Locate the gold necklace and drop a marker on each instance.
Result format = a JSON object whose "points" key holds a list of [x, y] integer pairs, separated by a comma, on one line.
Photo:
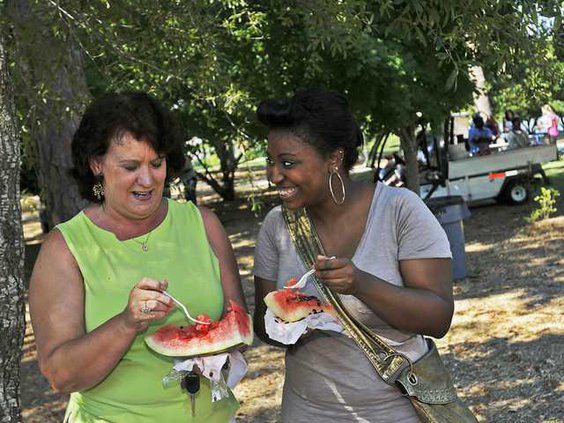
{"points": [[143, 244]]}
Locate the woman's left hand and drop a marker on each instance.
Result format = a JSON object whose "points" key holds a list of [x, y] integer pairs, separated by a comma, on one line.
{"points": [[338, 274]]}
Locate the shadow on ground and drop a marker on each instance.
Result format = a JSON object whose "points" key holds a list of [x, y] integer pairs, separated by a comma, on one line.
{"points": [[504, 347]]}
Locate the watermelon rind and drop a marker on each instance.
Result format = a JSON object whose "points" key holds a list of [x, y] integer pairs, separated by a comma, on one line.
{"points": [[233, 331]]}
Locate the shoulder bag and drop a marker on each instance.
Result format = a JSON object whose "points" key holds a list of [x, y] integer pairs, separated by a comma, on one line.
{"points": [[426, 382]]}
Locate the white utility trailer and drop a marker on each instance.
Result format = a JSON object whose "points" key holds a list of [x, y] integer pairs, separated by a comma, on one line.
{"points": [[446, 169], [508, 175]]}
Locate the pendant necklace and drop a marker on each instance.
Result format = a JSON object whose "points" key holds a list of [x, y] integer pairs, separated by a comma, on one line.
{"points": [[143, 244]]}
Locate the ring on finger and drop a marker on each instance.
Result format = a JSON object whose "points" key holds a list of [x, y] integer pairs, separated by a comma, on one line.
{"points": [[145, 309]]}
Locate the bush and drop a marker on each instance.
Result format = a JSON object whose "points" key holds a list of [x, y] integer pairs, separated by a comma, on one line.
{"points": [[547, 200]]}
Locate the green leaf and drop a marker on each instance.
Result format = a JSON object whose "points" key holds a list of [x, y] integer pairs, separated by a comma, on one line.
{"points": [[451, 80]]}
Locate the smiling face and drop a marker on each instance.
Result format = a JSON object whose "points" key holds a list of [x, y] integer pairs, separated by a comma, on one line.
{"points": [[298, 170], [133, 178]]}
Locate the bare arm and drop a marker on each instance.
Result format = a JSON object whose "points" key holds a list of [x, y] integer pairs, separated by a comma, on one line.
{"points": [[424, 305], [221, 246], [71, 359]]}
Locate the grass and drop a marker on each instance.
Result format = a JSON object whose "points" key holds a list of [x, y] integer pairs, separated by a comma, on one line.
{"points": [[555, 172]]}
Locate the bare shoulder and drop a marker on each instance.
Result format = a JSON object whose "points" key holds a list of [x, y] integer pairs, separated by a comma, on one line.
{"points": [[207, 214], [210, 219], [54, 257], [55, 245]]}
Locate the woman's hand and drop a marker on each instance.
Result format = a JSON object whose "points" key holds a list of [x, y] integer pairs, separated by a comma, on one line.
{"points": [[146, 303], [338, 274]]}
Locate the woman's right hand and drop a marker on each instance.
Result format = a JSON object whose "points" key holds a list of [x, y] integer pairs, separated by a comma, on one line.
{"points": [[146, 304]]}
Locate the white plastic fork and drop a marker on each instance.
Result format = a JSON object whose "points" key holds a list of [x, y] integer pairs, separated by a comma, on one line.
{"points": [[184, 310], [301, 283]]}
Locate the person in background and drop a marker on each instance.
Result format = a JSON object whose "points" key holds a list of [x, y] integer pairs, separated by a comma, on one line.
{"points": [[479, 137], [189, 181], [392, 265], [517, 137], [548, 123], [97, 286], [492, 125], [508, 120]]}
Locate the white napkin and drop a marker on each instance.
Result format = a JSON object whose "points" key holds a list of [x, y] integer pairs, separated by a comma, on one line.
{"points": [[210, 366], [288, 333]]}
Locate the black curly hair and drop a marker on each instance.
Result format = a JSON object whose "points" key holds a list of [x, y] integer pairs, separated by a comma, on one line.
{"points": [[108, 118], [320, 118]]}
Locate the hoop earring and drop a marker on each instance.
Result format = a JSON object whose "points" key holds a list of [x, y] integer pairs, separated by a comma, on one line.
{"points": [[333, 173], [98, 190]]}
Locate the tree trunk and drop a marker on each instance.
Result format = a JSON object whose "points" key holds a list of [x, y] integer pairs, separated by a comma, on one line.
{"points": [[12, 322], [228, 163], [52, 82], [481, 99], [409, 147]]}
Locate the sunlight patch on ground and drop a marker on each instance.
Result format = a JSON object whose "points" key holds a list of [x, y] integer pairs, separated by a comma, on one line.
{"points": [[477, 247], [28, 351], [506, 314], [512, 404], [44, 412], [239, 242], [265, 375]]}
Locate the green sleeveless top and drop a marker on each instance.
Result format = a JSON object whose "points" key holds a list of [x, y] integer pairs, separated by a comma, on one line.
{"points": [[178, 251]]}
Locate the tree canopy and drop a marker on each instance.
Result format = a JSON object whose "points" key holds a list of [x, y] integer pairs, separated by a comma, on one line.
{"points": [[213, 61]]}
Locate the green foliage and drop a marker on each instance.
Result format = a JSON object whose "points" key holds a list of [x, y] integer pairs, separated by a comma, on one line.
{"points": [[546, 200], [213, 61], [530, 84], [29, 202]]}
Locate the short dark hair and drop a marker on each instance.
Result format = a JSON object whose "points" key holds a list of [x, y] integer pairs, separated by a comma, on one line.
{"points": [[516, 121], [108, 118], [478, 120], [320, 118]]}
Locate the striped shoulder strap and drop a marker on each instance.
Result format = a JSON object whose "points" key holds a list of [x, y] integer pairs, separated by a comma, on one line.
{"points": [[386, 361]]}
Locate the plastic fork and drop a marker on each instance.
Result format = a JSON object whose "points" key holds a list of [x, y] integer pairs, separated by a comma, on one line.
{"points": [[185, 310], [301, 283]]}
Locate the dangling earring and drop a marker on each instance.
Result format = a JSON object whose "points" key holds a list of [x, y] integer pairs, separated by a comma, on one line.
{"points": [[333, 173], [98, 190]]}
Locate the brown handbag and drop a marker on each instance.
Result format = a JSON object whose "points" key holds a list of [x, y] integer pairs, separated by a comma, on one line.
{"points": [[426, 382]]}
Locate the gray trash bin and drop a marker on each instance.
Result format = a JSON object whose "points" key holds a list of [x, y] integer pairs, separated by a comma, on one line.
{"points": [[450, 211]]}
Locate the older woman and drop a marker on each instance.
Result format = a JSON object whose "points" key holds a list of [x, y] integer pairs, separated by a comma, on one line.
{"points": [[96, 289], [392, 269]]}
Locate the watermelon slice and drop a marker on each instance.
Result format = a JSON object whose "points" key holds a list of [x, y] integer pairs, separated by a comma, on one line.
{"points": [[292, 305], [235, 329]]}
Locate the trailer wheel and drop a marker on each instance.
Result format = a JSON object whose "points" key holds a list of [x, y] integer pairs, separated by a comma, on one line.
{"points": [[516, 192]]}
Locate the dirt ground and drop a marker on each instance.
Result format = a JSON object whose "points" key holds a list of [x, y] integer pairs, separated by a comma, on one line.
{"points": [[505, 346]]}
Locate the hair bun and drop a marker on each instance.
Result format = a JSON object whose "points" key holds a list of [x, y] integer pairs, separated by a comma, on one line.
{"points": [[274, 112]]}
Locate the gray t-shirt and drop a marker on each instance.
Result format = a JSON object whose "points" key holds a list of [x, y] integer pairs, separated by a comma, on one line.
{"points": [[328, 377], [517, 139]]}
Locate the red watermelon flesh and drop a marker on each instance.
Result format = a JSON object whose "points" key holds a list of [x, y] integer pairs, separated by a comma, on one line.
{"points": [[233, 330], [291, 282], [292, 305]]}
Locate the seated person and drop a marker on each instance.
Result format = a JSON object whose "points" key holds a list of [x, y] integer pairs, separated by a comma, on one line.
{"points": [[517, 138], [492, 125], [479, 137], [508, 121]]}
